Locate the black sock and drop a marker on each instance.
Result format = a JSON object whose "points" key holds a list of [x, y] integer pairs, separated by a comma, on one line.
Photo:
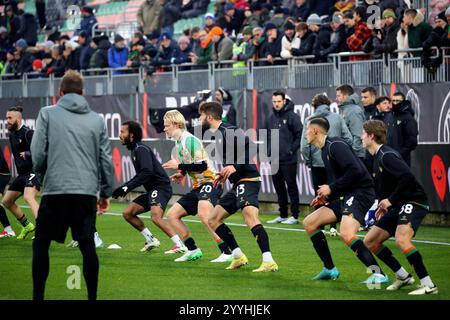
{"points": [[364, 254], [189, 242], [3, 217], [385, 255], [262, 238], [90, 266], [415, 259], [321, 245], [40, 267], [226, 235], [223, 247], [24, 221]]}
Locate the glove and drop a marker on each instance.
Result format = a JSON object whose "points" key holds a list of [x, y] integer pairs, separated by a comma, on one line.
{"points": [[120, 192]]}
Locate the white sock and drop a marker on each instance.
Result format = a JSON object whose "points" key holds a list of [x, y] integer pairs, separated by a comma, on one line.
{"points": [[9, 229], [147, 234], [177, 241], [401, 273], [237, 253], [96, 237], [267, 257], [427, 282]]}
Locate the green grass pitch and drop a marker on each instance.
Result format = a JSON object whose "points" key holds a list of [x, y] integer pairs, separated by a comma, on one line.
{"points": [[129, 274]]}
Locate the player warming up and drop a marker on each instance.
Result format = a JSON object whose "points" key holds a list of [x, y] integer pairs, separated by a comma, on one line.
{"points": [[347, 197], [203, 196], [402, 206], [151, 175], [234, 148]]}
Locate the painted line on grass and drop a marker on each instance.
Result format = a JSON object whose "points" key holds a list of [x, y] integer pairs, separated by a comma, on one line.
{"points": [[275, 228], [286, 229]]}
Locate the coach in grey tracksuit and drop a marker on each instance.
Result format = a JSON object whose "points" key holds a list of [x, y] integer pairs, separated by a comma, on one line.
{"points": [[353, 114], [71, 150], [311, 154]]}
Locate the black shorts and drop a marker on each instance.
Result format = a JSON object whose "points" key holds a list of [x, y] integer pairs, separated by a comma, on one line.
{"points": [[408, 213], [159, 196], [355, 203], [58, 213], [243, 194], [4, 180], [25, 181], [205, 192]]}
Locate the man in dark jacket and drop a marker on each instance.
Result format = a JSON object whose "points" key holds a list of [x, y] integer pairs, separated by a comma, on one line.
{"points": [[338, 37], [85, 50], [321, 7], [12, 24], [25, 64], [368, 97], [405, 126], [194, 8], [273, 48], [88, 21], [290, 129], [231, 22], [386, 41], [384, 113], [300, 10], [307, 40], [323, 42], [99, 58], [28, 28]]}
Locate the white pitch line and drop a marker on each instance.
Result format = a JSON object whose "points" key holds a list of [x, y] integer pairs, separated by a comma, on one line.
{"points": [[275, 228], [286, 229]]}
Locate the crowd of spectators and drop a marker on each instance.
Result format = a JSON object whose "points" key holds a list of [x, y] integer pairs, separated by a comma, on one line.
{"points": [[238, 30]]}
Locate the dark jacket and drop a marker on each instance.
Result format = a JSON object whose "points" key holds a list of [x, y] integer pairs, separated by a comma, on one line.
{"points": [[306, 44], [167, 56], [13, 26], [389, 42], [321, 7], [323, 42], [73, 60], [170, 13], [389, 121], [25, 63], [290, 133], [194, 8], [86, 24], [274, 48], [301, 12], [28, 29], [406, 130], [370, 111], [337, 42], [99, 58], [85, 55], [235, 24]]}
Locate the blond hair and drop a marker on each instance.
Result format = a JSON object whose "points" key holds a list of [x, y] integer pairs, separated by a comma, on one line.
{"points": [[175, 117]]}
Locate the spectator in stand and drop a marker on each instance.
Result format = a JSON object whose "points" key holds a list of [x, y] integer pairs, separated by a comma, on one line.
{"points": [[118, 54], [231, 22], [170, 13], [300, 10], [289, 40], [210, 22], [99, 58], [52, 33], [307, 37], [57, 65], [386, 41], [194, 36], [440, 37], [4, 43], [223, 46], [25, 62], [241, 49], [399, 6], [337, 41], [168, 51], [278, 18], [418, 29], [406, 129], [88, 21], [28, 28], [241, 4], [148, 16], [85, 50], [323, 40], [437, 7], [11, 62], [322, 7], [341, 6], [136, 55], [154, 38], [273, 47], [203, 54], [37, 66], [362, 33], [259, 44], [258, 17], [193, 8], [12, 24], [184, 55], [71, 55]]}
